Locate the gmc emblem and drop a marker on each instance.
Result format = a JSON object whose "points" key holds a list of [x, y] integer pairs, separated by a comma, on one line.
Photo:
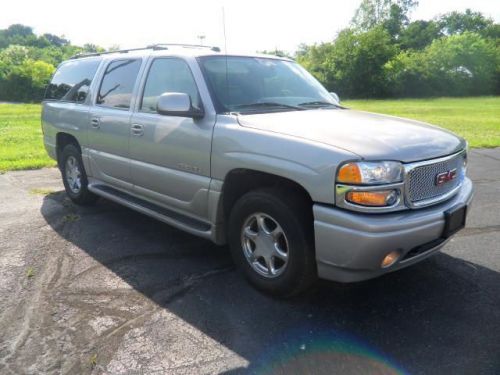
{"points": [[443, 178]]}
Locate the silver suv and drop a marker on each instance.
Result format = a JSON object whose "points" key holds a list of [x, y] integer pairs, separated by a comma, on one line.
{"points": [[254, 152]]}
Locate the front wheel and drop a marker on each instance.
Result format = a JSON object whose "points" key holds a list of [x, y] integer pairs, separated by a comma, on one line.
{"points": [[271, 240], [74, 176]]}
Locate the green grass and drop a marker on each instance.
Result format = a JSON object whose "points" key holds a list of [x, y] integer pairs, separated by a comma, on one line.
{"points": [[476, 119], [21, 142]]}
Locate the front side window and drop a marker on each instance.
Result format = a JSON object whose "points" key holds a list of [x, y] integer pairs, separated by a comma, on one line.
{"points": [[168, 75], [255, 84], [118, 83], [71, 82]]}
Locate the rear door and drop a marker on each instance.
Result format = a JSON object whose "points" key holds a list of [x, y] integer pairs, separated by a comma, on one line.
{"points": [[109, 133], [66, 103], [170, 156]]}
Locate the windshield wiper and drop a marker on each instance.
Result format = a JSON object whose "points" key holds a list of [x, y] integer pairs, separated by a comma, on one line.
{"points": [[267, 105], [318, 103]]}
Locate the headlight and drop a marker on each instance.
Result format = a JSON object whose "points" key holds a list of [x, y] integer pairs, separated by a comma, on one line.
{"points": [[370, 173]]}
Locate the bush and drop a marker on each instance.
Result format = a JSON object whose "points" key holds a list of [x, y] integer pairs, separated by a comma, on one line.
{"points": [[24, 82], [458, 65]]}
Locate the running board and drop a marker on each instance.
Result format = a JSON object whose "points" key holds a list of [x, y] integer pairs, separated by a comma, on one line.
{"points": [[180, 221]]}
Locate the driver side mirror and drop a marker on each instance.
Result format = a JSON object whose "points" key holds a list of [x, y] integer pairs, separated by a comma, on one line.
{"points": [[177, 104], [335, 97]]}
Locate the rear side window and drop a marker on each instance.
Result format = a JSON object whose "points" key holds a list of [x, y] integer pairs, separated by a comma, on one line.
{"points": [[72, 80], [118, 83]]}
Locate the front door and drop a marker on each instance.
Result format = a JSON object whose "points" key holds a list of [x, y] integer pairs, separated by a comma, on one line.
{"points": [[169, 155]]}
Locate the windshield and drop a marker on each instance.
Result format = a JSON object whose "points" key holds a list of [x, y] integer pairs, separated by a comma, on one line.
{"points": [[256, 85]]}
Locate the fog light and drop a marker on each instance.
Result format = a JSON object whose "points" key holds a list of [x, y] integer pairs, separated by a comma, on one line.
{"points": [[390, 259]]}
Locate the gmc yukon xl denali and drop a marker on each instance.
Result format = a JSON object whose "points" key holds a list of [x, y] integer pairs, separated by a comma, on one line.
{"points": [[252, 151]]}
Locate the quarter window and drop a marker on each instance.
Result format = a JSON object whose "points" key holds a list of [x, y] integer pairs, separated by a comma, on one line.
{"points": [[72, 80], [118, 83], [168, 75]]}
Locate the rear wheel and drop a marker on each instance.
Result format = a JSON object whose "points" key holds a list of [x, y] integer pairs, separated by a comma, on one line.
{"points": [[271, 240], [74, 176]]}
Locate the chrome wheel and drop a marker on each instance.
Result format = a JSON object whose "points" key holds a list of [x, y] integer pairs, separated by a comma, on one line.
{"points": [[73, 175], [265, 245]]}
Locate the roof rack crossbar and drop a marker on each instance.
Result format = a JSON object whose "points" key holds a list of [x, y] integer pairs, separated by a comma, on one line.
{"points": [[159, 46], [213, 48]]}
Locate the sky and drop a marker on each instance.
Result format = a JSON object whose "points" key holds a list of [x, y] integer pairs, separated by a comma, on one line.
{"points": [[250, 25]]}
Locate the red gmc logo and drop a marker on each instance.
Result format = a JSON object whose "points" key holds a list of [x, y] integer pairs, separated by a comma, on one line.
{"points": [[445, 177]]}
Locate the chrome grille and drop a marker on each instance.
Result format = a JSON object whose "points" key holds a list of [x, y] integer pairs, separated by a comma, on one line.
{"points": [[421, 180]]}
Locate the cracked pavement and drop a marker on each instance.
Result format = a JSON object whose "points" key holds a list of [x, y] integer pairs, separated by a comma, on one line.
{"points": [[106, 290]]}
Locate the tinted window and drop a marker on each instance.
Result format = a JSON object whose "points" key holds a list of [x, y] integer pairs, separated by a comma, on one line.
{"points": [[118, 83], [168, 75], [72, 80]]}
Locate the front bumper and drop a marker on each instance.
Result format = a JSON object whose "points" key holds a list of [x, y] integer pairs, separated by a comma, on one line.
{"points": [[350, 246]]}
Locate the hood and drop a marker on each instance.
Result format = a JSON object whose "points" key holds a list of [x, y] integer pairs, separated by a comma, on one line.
{"points": [[369, 135]]}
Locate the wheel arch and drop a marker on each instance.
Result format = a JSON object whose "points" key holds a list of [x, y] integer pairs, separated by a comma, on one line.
{"points": [[62, 140], [240, 181]]}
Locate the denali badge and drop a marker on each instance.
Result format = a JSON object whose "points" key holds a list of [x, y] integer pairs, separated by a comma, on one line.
{"points": [[445, 177]]}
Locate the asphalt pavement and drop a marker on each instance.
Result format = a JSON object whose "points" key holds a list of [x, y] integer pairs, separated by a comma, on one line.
{"points": [[106, 290]]}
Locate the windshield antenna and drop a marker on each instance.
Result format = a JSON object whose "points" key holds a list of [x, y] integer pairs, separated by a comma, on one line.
{"points": [[225, 48]]}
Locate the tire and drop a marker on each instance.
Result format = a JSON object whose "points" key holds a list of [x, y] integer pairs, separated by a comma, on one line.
{"points": [[256, 220], [74, 176]]}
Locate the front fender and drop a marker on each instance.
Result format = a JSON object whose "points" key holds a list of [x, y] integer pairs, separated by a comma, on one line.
{"points": [[310, 164]]}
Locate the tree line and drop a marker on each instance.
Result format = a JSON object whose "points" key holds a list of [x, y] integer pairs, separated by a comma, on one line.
{"points": [[27, 61], [381, 54]]}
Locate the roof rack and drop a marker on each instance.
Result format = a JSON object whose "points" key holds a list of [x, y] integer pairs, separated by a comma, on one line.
{"points": [[154, 47], [166, 45]]}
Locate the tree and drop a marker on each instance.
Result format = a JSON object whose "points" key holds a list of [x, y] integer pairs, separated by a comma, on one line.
{"points": [[56, 40], [458, 23], [14, 55], [317, 59], [419, 34], [18, 30], [17, 34], [492, 32], [353, 64], [275, 52], [114, 47], [458, 65], [92, 48], [371, 13]]}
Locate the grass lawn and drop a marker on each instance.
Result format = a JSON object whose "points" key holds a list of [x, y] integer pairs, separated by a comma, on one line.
{"points": [[21, 144], [476, 119]]}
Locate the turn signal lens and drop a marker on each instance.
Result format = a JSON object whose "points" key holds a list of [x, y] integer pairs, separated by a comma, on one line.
{"points": [[390, 259], [373, 198], [350, 174]]}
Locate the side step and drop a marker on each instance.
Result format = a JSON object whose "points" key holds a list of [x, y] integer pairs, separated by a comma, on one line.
{"points": [[180, 221]]}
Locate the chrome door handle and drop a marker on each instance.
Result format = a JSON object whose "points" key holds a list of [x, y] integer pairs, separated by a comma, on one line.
{"points": [[137, 130], [95, 123]]}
